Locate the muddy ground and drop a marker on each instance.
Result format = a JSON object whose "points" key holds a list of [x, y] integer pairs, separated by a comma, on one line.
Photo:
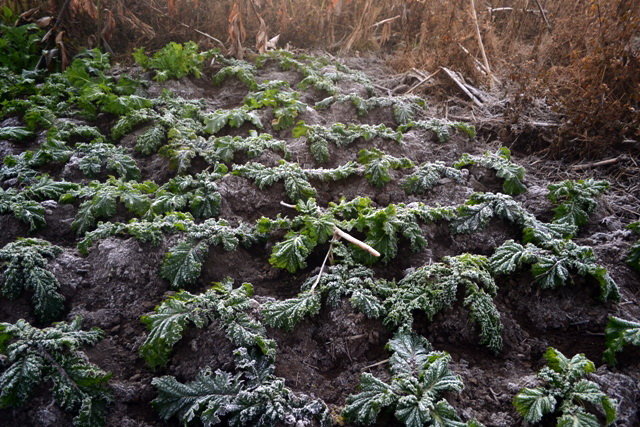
{"points": [[119, 280]]}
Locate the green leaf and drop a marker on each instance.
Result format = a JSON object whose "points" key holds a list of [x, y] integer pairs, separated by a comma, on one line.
{"points": [[410, 353], [166, 326], [500, 161], [18, 381], [620, 332], [16, 133], [534, 403], [211, 394], [365, 406], [576, 200], [286, 314], [578, 419], [183, 263], [291, 253]]}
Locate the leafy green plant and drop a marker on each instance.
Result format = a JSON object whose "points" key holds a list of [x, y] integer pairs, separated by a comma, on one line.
{"points": [[404, 108], [428, 175], [414, 393], [224, 148], [575, 200], [311, 227], [500, 161], [476, 213], [221, 303], [252, 396], [183, 263], [565, 394], [377, 165], [174, 61], [620, 332], [286, 105], [198, 192], [51, 357], [433, 288], [235, 117], [382, 228], [96, 157], [633, 259], [25, 166], [24, 204], [316, 71], [68, 131], [295, 179], [342, 135], [150, 231], [173, 119], [15, 133], [24, 262], [341, 280], [94, 91], [241, 70], [441, 128], [28, 211], [20, 46], [552, 265], [101, 200]]}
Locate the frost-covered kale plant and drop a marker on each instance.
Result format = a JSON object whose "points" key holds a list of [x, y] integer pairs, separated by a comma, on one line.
{"points": [[25, 268], [433, 288], [365, 293], [51, 359], [294, 177], [183, 263], [552, 264], [565, 394], [378, 164], [224, 304], [633, 258], [428, 175], [575, 200], [419, 377], [620, 332], [341, 135], [441, 128], [251, 396], [500, 161]]}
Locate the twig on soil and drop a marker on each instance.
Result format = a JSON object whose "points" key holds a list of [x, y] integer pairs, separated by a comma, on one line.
{"points": [[479, 64], [386, 89], [423, 81], [596, 164], [493, 394], [456, 79], [384, 21], [382, 362], [326, 257], [356, 337]]}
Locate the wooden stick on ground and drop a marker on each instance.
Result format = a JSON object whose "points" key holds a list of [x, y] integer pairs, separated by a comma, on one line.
{"points": [[462, 86], [423, 81], [596, 164]]}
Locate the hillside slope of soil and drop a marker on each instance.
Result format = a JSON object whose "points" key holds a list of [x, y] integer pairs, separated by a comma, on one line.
{"points": [[119, 280]]}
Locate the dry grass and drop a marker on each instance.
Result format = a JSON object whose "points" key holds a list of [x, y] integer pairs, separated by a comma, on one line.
{"points": [[582, 56]]}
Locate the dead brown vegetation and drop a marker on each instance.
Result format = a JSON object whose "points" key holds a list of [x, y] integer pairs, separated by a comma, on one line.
{"points": [[582, 56]]}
